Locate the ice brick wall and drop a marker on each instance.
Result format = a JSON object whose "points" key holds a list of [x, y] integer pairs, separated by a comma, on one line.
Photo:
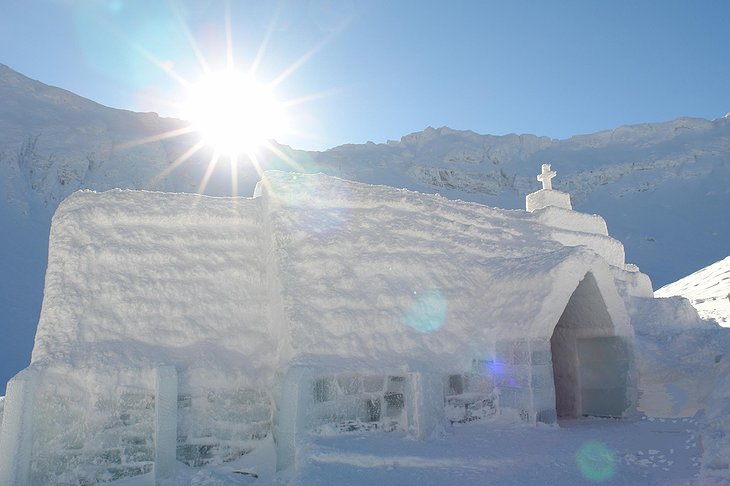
{"points": [[94, 428], [217, 425], [470, 396], [16, 435], [348, 401], [523, 375], [85, 431], [139, 279]]}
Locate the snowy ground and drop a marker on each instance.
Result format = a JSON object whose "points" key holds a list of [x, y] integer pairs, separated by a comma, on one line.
{"points": [[643, 451]]}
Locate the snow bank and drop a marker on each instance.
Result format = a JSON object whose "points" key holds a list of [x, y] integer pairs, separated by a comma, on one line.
{"points": [[683, 369], [707, 289], [674, 350]]}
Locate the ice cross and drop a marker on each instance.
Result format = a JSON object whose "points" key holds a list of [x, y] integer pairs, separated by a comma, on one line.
{"points": [[546, 177]]}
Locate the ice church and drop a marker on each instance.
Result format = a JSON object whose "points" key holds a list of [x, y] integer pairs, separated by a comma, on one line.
{"points": [[179, 327]]}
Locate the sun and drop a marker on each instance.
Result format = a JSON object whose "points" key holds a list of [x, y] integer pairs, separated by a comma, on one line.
{"points": [[234, 113], [229, 109]]}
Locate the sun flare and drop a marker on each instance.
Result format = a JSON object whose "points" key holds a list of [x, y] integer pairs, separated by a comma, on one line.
{"points": [[234, 113]]}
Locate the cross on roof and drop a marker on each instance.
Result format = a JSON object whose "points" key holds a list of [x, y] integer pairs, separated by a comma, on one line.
{"points": [[546, 176]]}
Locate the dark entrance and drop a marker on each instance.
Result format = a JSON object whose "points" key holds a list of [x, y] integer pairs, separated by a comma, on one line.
{"points": [[590, 363]]}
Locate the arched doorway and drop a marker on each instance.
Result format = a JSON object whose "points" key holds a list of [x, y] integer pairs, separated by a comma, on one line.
{"points": [[590, 363]]}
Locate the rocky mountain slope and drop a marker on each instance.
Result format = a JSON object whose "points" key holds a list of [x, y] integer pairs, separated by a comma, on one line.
{"points": [[662, 188]]}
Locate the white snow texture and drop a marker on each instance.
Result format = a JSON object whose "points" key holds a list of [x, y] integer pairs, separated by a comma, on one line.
{"points": [[327, 305], [707, 289]]}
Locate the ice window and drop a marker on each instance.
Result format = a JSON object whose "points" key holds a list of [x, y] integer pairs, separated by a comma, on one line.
{"points": [[469, 397], [324, 390], [349, 384], [372, 384], [456, 384], [372, 406], [348, 402]]}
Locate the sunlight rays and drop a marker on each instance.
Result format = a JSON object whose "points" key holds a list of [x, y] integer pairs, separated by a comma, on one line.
{"points": [[288, 160], [311, 97], [265, 42], [246, 118], [156, 138], [209, 172], [190, 39], [176, 163], [229, 35]]}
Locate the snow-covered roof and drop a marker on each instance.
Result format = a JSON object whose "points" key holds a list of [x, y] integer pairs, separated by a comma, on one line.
{"points": [[314, 266]]}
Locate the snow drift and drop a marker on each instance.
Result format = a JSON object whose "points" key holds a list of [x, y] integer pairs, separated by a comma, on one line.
{"points": [[708, 289]]}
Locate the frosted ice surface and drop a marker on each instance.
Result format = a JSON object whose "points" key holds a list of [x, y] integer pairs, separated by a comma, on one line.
{"points": [[165, 422], [16, 438]]}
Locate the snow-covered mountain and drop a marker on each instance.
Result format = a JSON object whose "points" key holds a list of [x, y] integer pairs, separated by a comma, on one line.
{"points": [[661, 187], [707, 289]]}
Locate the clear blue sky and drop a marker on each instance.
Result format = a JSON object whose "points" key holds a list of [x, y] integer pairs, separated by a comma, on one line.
{"points": [[378, 70]]}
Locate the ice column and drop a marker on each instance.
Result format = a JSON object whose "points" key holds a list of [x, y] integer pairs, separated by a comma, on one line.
{"points": [[425, 402], [16, 438], [294, 409], [165, 422]]}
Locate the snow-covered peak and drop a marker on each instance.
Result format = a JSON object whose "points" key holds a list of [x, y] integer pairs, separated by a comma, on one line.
{"points": [[707, 289]]}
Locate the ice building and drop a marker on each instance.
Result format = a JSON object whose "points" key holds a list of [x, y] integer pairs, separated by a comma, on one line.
{"points": [[178, 327]]}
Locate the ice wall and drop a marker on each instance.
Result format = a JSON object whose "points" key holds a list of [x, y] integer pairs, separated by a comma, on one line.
{"points": [[92, 425], [222, 414], [165, 422], [350, 282], [16, 434], [137, 280], [383, 278], [387, 275]]}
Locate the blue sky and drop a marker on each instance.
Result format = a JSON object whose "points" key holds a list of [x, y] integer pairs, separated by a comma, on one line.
{"points": [[377, 70]]}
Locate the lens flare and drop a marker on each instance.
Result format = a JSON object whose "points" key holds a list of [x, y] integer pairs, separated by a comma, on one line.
{"points": [[596, 461], [427, 313], [305, 191], [232, 113]]}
